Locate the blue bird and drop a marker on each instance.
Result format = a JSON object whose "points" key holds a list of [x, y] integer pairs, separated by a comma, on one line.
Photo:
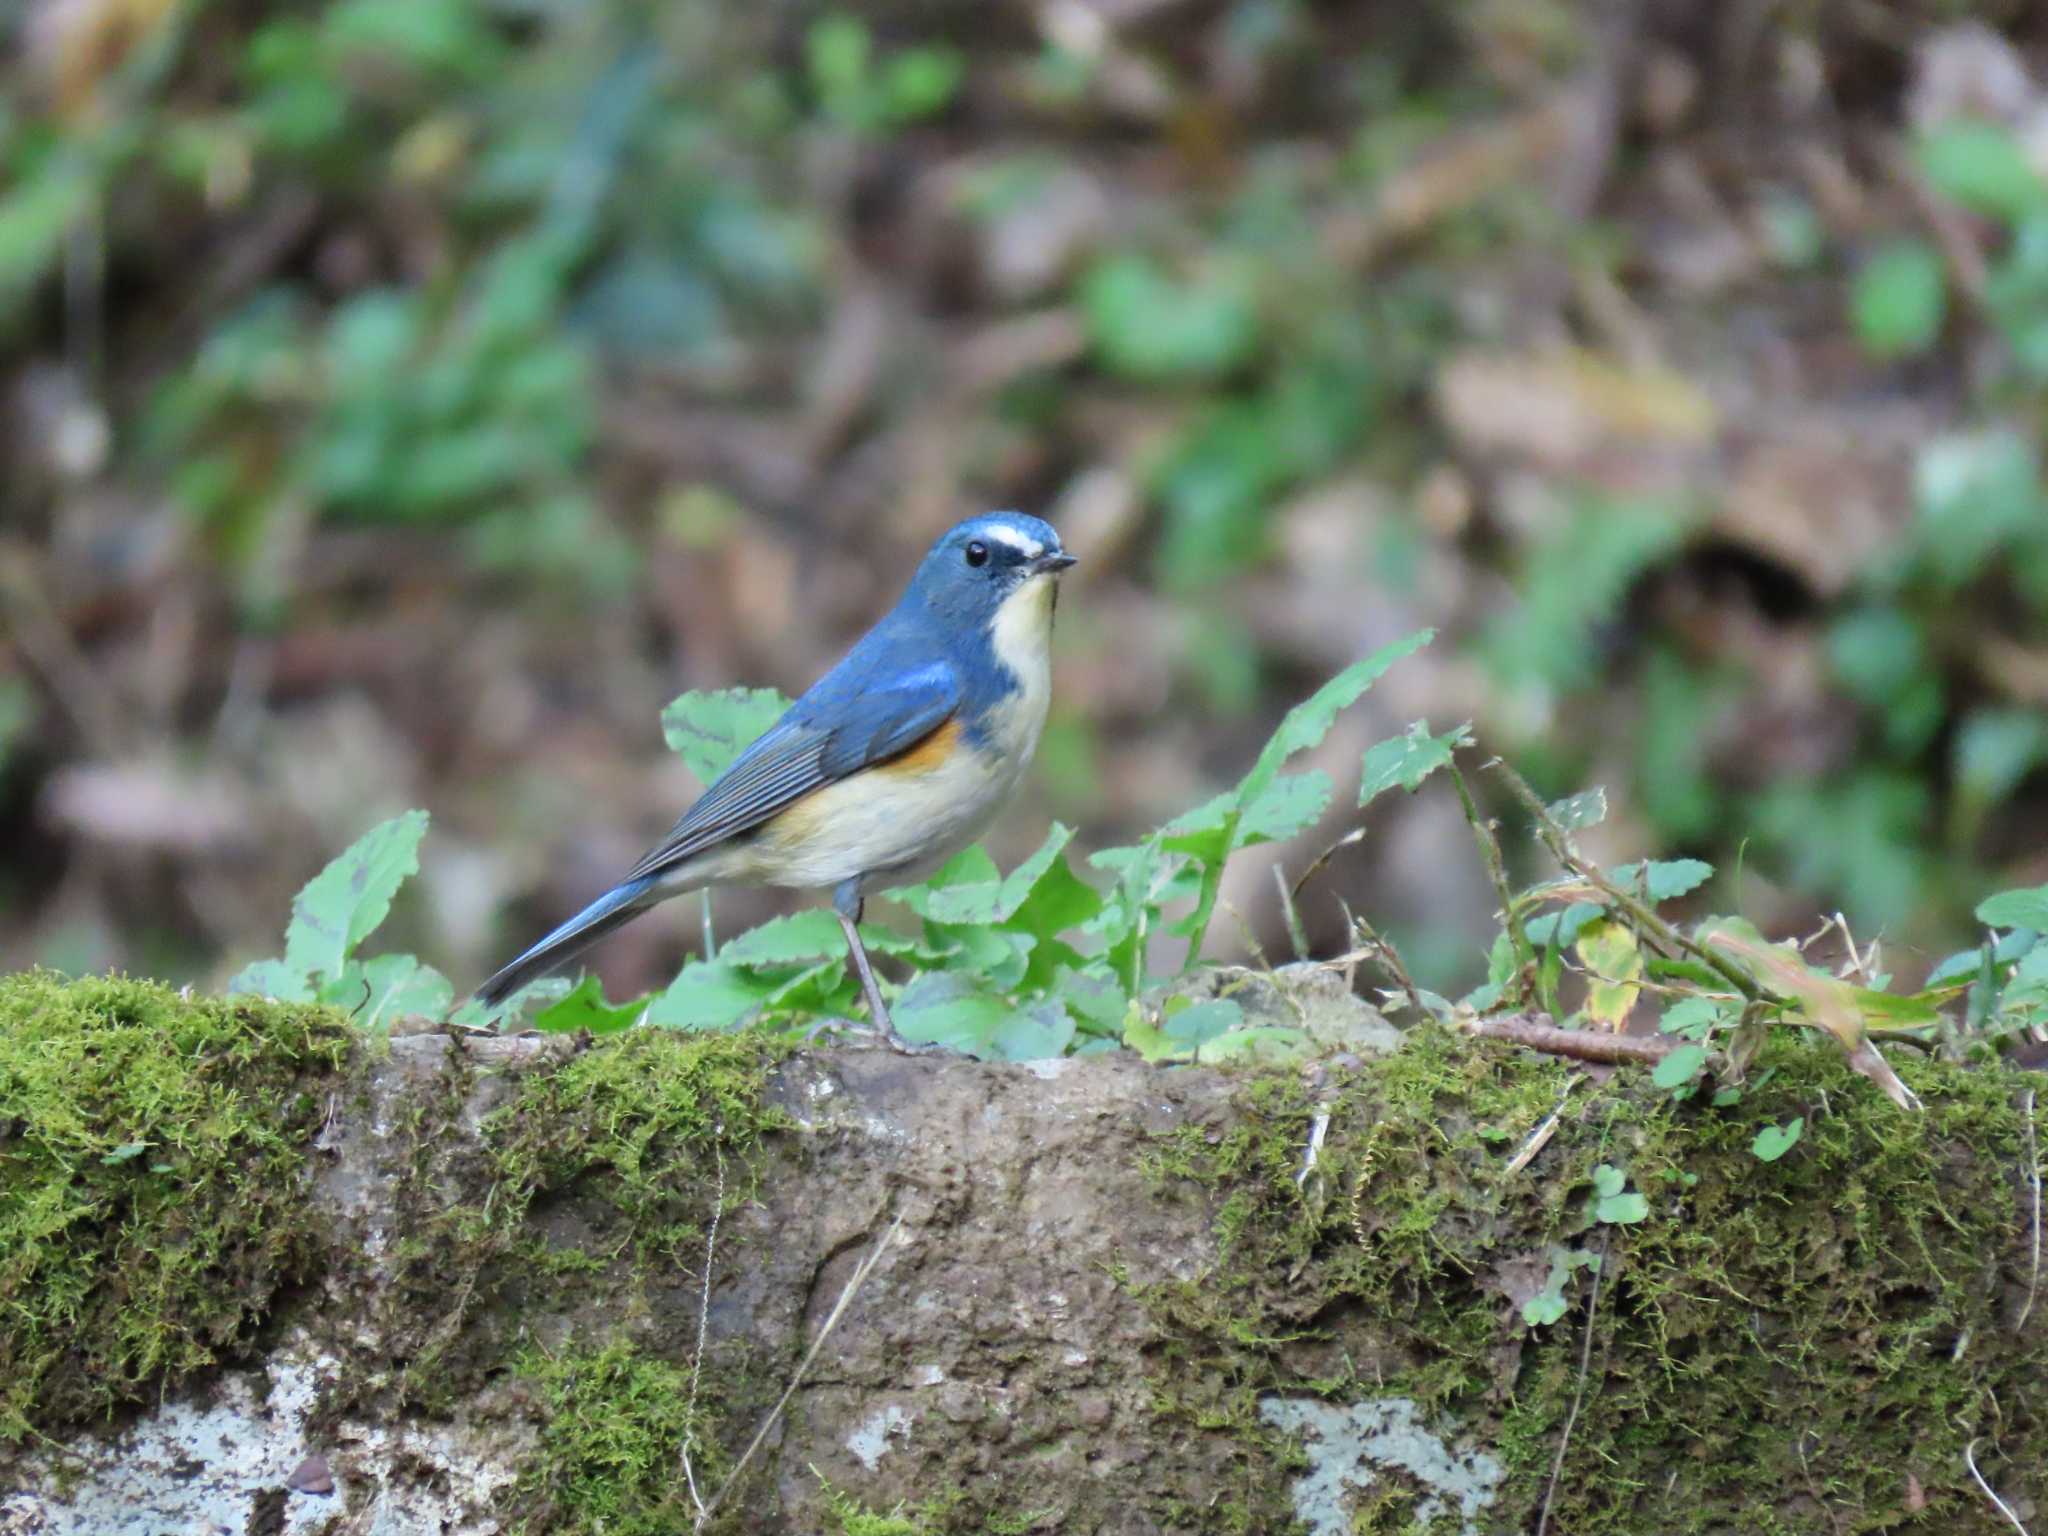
{"points": [[891, 763]]}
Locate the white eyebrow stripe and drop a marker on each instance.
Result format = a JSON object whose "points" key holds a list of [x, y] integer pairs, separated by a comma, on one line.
{"points": [[1022, 543]]}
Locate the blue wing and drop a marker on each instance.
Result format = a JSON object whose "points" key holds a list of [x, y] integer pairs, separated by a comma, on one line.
{"points": [[865, 711]]}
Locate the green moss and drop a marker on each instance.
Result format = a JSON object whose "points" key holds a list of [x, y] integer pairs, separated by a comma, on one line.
{"points": [[153, 1183], [661, 1130], [645, 1119], [616, 1424], [1805, 1333]]}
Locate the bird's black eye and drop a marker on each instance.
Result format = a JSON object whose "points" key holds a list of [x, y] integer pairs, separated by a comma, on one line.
{"points": [[977, 553]]}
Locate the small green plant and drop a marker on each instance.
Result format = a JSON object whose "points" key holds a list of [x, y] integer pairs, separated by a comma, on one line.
{"points": [[338, 909], [865, 95]]}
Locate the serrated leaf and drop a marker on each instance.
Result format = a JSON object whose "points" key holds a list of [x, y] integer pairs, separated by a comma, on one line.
{"points": [[1408, 760], [1664, 879], [970, 867], [1306, 724], [800, 938], [1774, 1141], [585, 1008], [2016, 909], [1037, 1033], [1288, 806], [343, 904], [271, 978], [1681, 1067], [710, 995], [1574, 813], [709, 729], [997, 900], [1614, 968], [948, 1009], [1691, 1016], [379, 992]]}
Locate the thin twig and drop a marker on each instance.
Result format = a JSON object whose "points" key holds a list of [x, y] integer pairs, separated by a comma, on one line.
{"points": [[1496, 870], [1540, 1137], [2034, 1181], [1296, 934], [703, 1307], [1578, 1392], [1385, 954], [1646, 921], [854, 1282], [1579, 1044], [2005, 1509]]}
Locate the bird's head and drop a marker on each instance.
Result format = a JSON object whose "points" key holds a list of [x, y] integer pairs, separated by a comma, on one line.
{"points": [[996, 574]]}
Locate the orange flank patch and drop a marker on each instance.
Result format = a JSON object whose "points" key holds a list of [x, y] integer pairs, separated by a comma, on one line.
{"points": [[930, 754], [800, 823]]}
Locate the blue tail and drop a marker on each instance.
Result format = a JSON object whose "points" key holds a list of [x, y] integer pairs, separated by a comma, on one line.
{"points": [[620, 904]]}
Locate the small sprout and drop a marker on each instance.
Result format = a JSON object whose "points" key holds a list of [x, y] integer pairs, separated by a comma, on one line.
{"points": [[1681, 1068], [1774, 1141]]}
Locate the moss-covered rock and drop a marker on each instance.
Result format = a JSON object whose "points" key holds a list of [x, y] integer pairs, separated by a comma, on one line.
{"points": [[481, 1279], [1802, 1344], [153, 1190]]}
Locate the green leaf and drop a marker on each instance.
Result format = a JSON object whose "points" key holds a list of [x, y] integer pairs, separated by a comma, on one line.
{"points": [[710, 995], [343, 904], [271, 978], [710, 729], [1960, 966], [945, 1008], [127, 1152], [1898, 299], [1574, 813], [1691, 1017], [1199, 1023], [1309, 722], [1408, 760], [1680, 1067], [1983, 167], [998, 900], [799, 938], [1288, 806], [379, 992], [971, 866], [586, 1009], [1666, 879], [1774, 1141], [1037, 1033], [1622, 1210], [2016, 909], [1303, 727], [1608, 1180], [1561, 928], [1149, 326]]}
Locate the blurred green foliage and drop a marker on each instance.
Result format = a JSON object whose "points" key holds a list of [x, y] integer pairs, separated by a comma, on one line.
{"points": [[515, 203]]}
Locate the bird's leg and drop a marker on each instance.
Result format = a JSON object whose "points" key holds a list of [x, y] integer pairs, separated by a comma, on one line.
{"points": [[846, 896]]}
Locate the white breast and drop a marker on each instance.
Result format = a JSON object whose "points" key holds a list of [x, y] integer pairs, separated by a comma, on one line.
{"points": [[1022, 637]]}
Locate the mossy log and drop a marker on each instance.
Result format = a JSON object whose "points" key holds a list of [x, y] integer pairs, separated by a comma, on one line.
{"points": [[462, 1285]]}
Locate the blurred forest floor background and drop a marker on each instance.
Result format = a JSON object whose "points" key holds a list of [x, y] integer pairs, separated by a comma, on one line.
{"points": [[403, 399]]}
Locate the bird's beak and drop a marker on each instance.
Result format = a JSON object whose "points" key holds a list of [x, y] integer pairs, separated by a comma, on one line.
{"points": [[1051, 564]]}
